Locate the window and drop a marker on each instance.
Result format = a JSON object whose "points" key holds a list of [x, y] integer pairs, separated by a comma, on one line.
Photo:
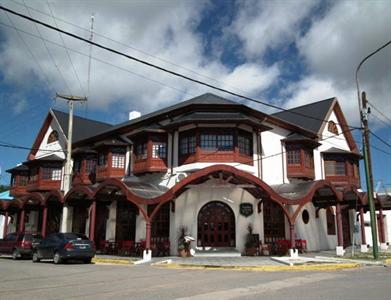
{"points": [[293, 156], [159, 150], [330, 219], [51, 173], [23, 180], [141, 151], [102, 159], [305, 216], [217, 142], [245, 144], [118, 160], [308, 158], [53, 137], [187, 145], [90, 166], [335, 168], [332, 127], [77, 166], [33, 175]]}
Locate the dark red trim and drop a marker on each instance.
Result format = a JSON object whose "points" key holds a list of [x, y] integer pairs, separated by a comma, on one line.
{"points": [[44, 220]]}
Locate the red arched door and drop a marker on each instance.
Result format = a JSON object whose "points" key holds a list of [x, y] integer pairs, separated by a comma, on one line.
{"points": [[216, 225]]}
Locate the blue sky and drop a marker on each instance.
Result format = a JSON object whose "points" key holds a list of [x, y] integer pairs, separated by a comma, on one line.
{"points": [[288, 53]]}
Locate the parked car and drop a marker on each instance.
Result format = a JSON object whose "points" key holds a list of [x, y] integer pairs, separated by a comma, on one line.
{"points": [[63, 246], [19, 244]]}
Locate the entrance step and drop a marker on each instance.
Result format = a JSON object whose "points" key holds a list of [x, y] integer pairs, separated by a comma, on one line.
{"points": [[216, 252]]}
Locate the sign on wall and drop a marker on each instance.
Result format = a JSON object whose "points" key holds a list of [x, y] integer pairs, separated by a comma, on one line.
{"points": [[246, 209]]}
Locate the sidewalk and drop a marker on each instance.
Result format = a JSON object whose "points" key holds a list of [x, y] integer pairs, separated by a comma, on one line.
{"points": [[244, 263]]}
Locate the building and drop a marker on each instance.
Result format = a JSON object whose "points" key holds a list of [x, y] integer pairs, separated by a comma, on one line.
{"points": [[208, 164]]}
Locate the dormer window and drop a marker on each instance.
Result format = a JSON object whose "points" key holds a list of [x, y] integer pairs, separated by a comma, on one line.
{"points": [[53, 137], [159, 150], [102, 159], [141, 151], [332, 127], [217, 141], [118, 160]]}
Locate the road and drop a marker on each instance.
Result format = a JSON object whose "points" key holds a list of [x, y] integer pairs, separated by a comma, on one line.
{"points": [[25, 280]]}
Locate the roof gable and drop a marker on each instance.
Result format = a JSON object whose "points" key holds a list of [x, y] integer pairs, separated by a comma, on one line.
{"points": [[317, 112], [82, 128]]}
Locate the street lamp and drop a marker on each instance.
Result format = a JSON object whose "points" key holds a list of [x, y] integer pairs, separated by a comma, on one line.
{"points": [[362, 104]]}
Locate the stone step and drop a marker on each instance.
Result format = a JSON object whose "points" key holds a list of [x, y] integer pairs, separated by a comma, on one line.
{"points": [[217, 252]]}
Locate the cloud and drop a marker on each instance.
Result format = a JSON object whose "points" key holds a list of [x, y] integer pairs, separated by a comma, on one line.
{"points": [[269, 24], [332, 49], [163, 29]]}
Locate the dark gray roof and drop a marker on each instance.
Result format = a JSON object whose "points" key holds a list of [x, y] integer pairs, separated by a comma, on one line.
{"points": [[18, 168], [317, 112], [212, 116], [208, 98], [82, 128], [334, 150]]}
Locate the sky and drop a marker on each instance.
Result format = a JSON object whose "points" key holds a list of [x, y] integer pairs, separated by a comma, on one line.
{"points": [[287, 53]]}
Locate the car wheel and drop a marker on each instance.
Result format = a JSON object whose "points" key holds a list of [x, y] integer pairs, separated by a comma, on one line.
{"points": [[15, 254], [57, 258], [87, 260], [36, 257]]}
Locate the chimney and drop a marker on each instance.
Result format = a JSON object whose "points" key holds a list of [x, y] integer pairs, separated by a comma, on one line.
{"points": [[134, 115]]}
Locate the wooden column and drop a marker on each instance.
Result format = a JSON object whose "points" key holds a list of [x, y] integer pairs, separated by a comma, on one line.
{"points": [[21, 223], [382, 236], [44, 220], [5, 229], [92, 220], [362, 223], [292, 235], [148, 235], [339, 225]]}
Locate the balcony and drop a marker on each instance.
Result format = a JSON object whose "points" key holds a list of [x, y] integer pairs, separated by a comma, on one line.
{"points": [[149, 165], [110, 165], [300, 162]]}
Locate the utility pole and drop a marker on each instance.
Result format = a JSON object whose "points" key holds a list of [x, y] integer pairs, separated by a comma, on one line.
{"points": [[68, 163], [368, 172], [362, 104]]}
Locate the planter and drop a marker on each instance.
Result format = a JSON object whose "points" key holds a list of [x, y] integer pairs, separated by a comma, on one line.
{"points": [[183, 252], [251, 251]]}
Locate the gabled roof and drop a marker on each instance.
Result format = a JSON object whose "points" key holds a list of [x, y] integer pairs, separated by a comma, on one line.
{"points": [[208, 98], [318, 111], [82, 128]]}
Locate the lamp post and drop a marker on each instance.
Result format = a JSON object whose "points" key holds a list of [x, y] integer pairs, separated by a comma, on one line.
{"points": [[362, 104]]}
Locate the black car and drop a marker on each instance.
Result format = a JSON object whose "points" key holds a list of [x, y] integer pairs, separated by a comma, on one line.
{"points": [[63, 246]]}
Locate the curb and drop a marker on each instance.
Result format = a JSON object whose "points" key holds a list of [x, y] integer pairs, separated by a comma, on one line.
{"points": [[313, 267], [112, 261]]}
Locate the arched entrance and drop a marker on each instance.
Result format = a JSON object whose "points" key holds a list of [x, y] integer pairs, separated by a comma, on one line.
{"points": [[216, 225]]}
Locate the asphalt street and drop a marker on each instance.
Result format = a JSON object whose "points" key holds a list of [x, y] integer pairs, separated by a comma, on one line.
{"points": [[25, 280]]}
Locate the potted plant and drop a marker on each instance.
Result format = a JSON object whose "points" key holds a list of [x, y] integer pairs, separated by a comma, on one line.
{"points": [[183, 244], [251, 246]]}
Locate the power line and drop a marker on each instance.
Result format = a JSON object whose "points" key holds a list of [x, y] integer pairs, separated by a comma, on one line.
{"points": [[132, 47], [50, 54], [380, 120], [379, 111], [63, 42], [380, 139], [8, 145], [100, 60], [160, 68], [46, 78]]}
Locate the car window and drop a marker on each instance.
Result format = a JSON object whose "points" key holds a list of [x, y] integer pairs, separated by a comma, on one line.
{"points": [[30, 237], [11, 237], [74, 236]]}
